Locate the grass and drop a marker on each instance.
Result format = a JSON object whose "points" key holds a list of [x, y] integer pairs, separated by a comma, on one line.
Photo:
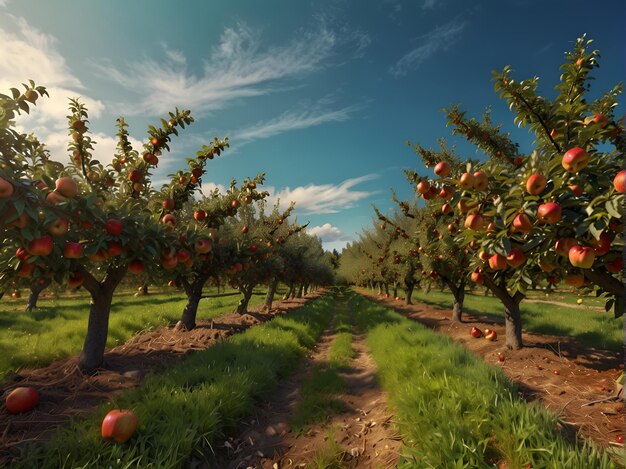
{"points": [[318, 394], [57, 328], [187, 409], [588, 326], [455, 410], [329, 457]]}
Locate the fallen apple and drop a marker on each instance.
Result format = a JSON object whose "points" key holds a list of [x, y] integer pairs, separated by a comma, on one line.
{"points": [[476, 332], [119, 425], [22, 399]]}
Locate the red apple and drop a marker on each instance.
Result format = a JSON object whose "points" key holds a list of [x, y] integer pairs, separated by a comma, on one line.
{"points": [[536, 183], [522, 223], [114, 227], [66, 187], [501, 357], [483, 256], [442, 169], [602, 245], [41, 246], [115, 248], [619, 182], [582, 256], [119, 425], [199, 215], [616, 265], [6, 188], [183, 255], [135, 176], [169, 219], [21, 400], [476, 332], [446, 208], [467, 181], [73, 250], [491, 335], [497, 262], [474, 221], [75, 280], [234, 203], [244, 229], [619, 439], [203, 245], [563, 246], [59, 227], [55, 198], [446, 192], [546, 266], [575, 280], [22, 254], [465, 205], [169, 204], [25, 270], [575, 159], [549, 213], [423, 187], [135, 266], [477, 277], [576, 189], [516, 257], [481, 181]]}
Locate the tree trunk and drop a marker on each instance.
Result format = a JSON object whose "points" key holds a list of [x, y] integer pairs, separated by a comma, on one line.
{"points": [[242, 307], [269, 298], [293, 292], [289, 291], [35, 291], [194, 295], [306, 290], [458, 292], [299, 293], [395, 290], [409, 293], [380, 288], [512, 316], [386, 289]]}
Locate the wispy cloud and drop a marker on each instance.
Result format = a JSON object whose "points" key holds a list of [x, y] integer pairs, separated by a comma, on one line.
{"points": [[309, 116], [324, 198], [237, 67], [328, 233], [429, 4], [441, 38]]}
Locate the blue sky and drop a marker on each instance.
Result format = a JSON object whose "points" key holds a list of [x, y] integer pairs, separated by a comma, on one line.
{"points": [[320, 95]]}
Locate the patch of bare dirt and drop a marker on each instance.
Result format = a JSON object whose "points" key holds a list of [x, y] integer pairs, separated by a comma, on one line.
{"points": [[564, 375], [364, 432], [66, 392]]}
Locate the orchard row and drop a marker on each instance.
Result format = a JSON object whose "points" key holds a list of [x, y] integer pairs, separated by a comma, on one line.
{"points": [[86, 224], [509, 221]]}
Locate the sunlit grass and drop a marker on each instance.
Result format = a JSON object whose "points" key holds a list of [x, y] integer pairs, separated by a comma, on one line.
{"points": [[589, 326], [455, 410], [57, 328], [186, 410]]}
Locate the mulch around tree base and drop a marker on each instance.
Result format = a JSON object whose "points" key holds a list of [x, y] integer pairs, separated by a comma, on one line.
{"points": [[562, 374], [66, 392]]}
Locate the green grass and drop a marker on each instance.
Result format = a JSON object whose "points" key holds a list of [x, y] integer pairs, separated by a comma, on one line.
{"points": [[318, 394], [329, 457], [588, 326], [57, 328], [455, 410], [187, 409]]}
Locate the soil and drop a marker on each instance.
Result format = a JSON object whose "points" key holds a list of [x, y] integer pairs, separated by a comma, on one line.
{"points": [[364, 432], [66, 392], [562, 374]]}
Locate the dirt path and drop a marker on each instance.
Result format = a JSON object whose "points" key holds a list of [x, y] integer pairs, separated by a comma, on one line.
{"points": [[565, 376], [361, 437], [65, 392]]}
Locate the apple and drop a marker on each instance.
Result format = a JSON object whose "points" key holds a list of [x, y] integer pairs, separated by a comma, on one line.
{"points": [[446, 208], [169, 204], [199, 215], [491, 335], [41, 246], [21, 400], [619, 439], [25, 270], [442, 169], [22, 254], [599, 119], [234, 203], [465, 205], [501, 357], [114, 227], [474, 221], [254, 247], [30, 96], [476, 332], [75, 280], [483, 256], [477, 277], [119, 425], [522, 223], [423, 187], [563, 246], [497, 262], [536, 183], [615, 266], [467, 181], [183, 255], [66, 187], [577, 190], [6, 188], [516, 257], [196, 172], [481, 181], [546, 266], [549, 213], [59, 227], [446, 192], [55, 198], [575, 280], [115, 249], [135, 266], [582, 256], [602, 245], [575, 159], [244, 229], [203, 245], [73, 250], [169, 219], [135, 176], [619, 182]]}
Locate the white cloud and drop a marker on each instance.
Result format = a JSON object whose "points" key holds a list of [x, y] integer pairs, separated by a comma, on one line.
{"points": [[441, 38], [323, 198], [208, 187], [236, 68], [292, 120], [328, 233], [429, 4]]}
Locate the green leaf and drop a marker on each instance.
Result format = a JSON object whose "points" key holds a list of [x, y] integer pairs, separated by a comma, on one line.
{"points": [[613, 208]]}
